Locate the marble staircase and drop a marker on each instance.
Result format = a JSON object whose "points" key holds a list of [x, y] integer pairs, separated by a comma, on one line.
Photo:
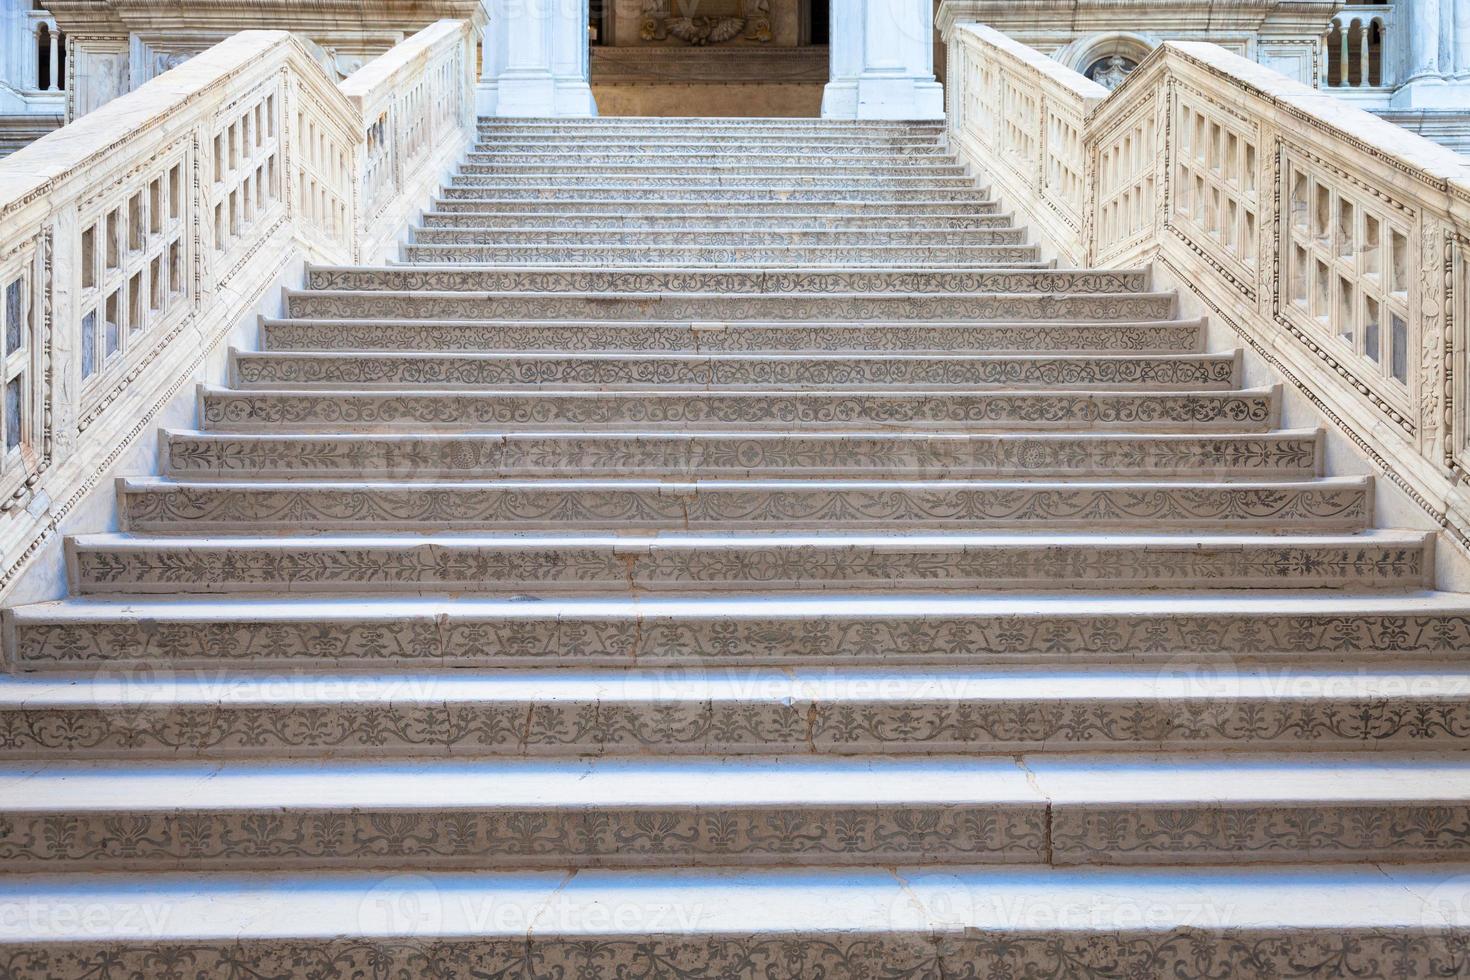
{"points": [[726, 548]]}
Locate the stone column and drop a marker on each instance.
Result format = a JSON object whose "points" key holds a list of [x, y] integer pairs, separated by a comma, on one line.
{"points": [[1437, 66], [882, 61], [535, 60]]}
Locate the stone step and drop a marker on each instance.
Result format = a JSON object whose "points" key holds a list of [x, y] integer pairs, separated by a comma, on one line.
{"points": [[813, 140], [800, 128], [754, 153], [867, 922], [1290, 455], [804, 283], [739, 168], [840, 256], [707, 237], [572, 146], [851, 923], [1063, 810], [733, 179], [1200, 635], [540, 372], [1137, 339], [572, 210], [353, 410], [729, 712], [839, 195], [154, 506], [685, 562], [599, 300], [622, 222]]}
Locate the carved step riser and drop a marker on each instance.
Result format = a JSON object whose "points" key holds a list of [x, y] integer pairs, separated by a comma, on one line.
{"points": [[634, 140], [416, 838], [674, 171], [741, 456], [311, 565], [278, 370], [753, 154], [1117, 284], [1042, 952], [708, 237], [1188, 642], [839, 196], [798, 128], [409, 726], [933, 227], [569, 211], [265, 510], [1137, 339], [372, 411], [735, 180], [899, 256], [721, 309]]}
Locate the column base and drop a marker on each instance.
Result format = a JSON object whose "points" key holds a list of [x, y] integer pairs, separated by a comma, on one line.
{"points": [[880, 96], [540, 95], [1432, 92]]}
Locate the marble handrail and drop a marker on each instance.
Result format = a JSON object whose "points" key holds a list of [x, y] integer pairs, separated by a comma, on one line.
{"points": [[1334, 244], [137, 239]]}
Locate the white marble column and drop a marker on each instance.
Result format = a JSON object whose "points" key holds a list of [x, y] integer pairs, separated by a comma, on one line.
{"points": [[535, 60], [1437, 59], [882, 61]]}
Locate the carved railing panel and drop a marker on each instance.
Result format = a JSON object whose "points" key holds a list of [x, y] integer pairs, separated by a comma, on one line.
{"points": [[1334, 244], [136, 239], [1023, 117]]}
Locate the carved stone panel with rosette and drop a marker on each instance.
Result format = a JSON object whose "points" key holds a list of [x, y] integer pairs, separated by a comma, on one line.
{"points": [[701, 22]]}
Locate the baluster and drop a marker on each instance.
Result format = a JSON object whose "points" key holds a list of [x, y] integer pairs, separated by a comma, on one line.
{"points": [[54, 54], [1364, 36]]}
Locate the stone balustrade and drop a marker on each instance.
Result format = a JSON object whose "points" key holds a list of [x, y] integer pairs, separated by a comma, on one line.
{"points": [[1332, 243], [138, 239], [1356, 52], [44, 72]]}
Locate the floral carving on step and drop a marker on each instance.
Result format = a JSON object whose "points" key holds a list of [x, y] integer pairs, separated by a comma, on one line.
{"points": [[513, 837], [204, 510], [1043, 954], [736, 454], [524, 641], [244, 410], [449, 563]]}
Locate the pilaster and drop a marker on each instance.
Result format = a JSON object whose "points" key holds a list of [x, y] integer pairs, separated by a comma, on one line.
{"points": [[1437, 60], [535, 61], [882, 61]]}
